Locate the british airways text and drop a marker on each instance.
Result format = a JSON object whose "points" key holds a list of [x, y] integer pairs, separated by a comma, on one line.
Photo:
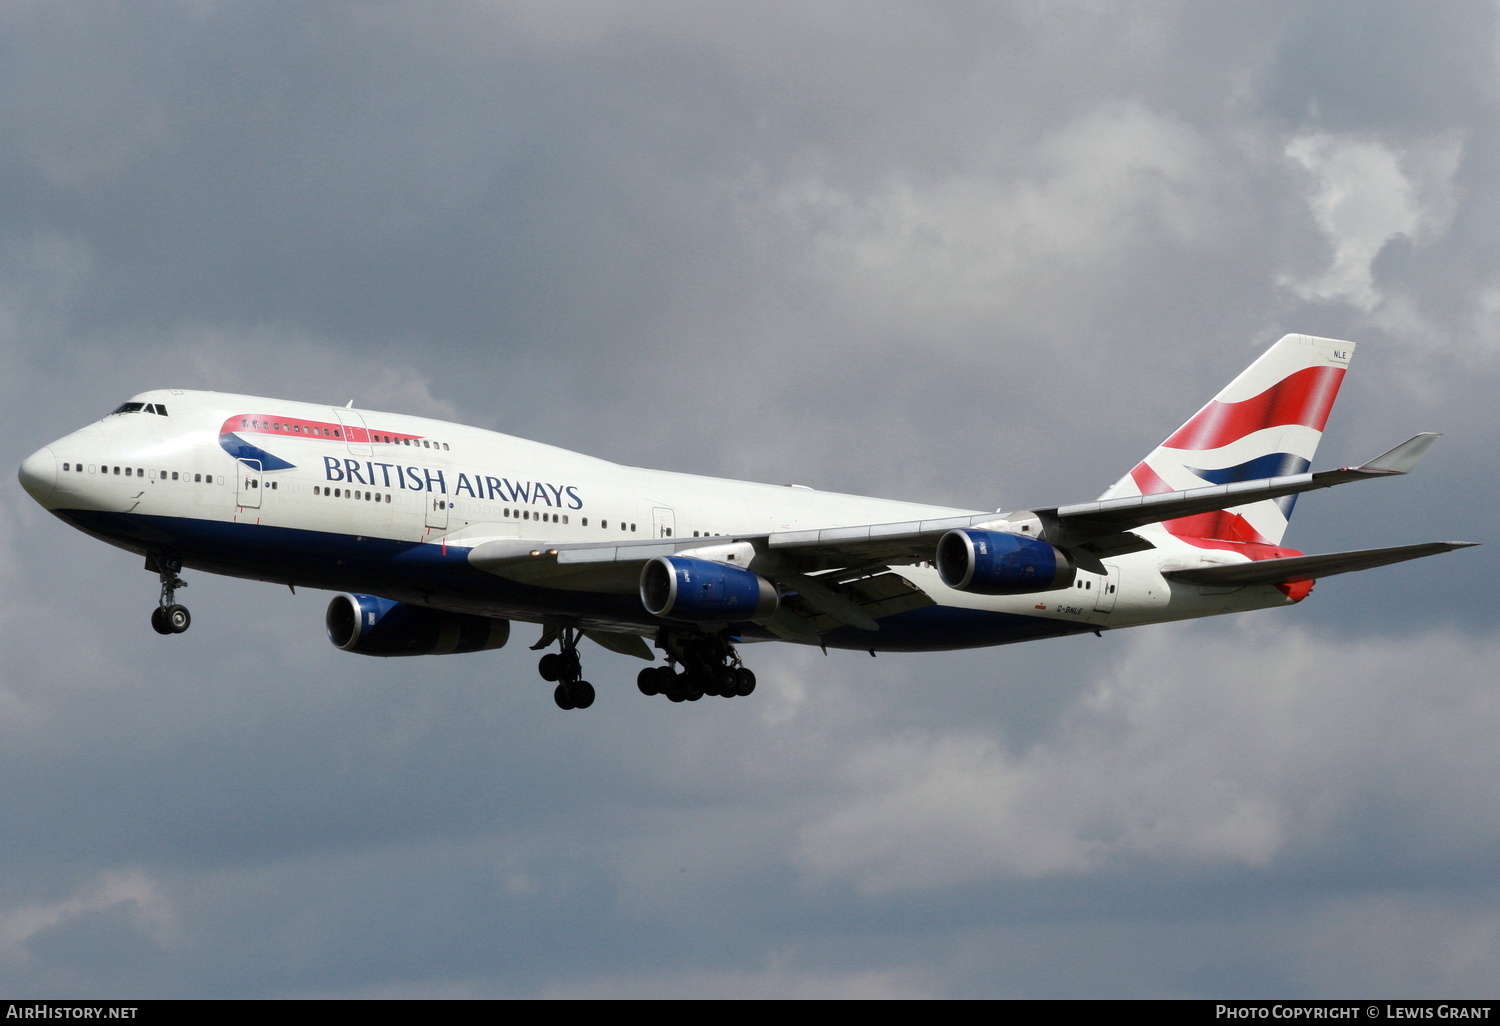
{"points": [[424, 479]]}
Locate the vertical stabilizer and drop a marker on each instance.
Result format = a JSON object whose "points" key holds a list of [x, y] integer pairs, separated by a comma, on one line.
{"points": [[1265, 423]]}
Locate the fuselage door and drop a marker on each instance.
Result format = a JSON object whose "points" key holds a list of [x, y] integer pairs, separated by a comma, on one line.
{"points": [[1106, 589], [248, 484], [356, 435], [663, 522], [437, 511]]}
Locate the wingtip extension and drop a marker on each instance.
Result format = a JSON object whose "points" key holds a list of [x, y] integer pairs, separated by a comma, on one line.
{"points": [[1404, 457]]}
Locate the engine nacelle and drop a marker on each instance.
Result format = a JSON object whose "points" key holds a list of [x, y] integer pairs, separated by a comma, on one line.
{"points": [[379, 627], [997, 563], [702, 591]]}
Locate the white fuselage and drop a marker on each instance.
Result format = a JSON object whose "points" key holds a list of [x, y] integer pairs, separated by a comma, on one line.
{"points": [[348, 499]]}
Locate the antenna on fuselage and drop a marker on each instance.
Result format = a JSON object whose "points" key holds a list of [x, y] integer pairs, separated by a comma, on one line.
{"points": [[349, 405]]}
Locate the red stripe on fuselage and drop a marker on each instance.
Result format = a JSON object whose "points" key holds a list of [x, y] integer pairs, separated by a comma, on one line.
{"points": [[255, 423], [1305, 398]]}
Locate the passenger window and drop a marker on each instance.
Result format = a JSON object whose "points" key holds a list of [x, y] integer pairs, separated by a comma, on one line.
{"points": [[127, 471]]}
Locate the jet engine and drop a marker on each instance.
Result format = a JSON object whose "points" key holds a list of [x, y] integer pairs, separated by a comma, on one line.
{"points": [[379, 627], [702, 591], [996, 563]]}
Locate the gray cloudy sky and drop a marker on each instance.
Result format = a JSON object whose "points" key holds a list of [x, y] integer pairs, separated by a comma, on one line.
{"points": [[979, 253]]}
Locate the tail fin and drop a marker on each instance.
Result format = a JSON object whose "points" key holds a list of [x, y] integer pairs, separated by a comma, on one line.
{"points": [[1265, 423]]}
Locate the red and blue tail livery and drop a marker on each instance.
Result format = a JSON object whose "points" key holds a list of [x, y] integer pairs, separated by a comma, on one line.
{"points": [[437, 537]]}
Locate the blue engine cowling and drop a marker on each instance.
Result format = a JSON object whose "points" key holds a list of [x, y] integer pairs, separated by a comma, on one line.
{"points": [[996, 563], [702, 591], [380, 627]]}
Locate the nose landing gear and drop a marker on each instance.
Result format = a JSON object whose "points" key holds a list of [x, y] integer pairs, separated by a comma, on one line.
{"points": [[168, 617]]}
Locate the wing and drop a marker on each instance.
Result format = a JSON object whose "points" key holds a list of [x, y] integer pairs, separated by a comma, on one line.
{"points": [[821, 566]]}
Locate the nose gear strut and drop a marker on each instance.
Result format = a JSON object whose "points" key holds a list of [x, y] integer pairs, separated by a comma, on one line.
{"points": [[168, 617]]}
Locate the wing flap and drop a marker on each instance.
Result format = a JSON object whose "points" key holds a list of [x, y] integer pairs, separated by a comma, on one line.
{"points": [[884, 594]]}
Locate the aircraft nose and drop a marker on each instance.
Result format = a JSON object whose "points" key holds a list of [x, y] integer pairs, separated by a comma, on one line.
{"points": [[39, 475]]}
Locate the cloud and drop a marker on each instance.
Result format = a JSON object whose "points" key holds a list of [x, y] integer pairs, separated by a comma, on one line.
{"points": [[1364, 194], [149, 913], [1194, 754]]}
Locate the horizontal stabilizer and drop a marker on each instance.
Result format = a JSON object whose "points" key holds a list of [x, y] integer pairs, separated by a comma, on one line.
{"points": [[1308, 568]]}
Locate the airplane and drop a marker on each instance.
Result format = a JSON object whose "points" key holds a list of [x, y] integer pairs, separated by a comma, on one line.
{"points": [[437, 536]]}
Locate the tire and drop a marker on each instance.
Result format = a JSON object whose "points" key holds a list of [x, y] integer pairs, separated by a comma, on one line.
{"points": [[177, 618], [550, 666], [159, 621], [582, 694], [561, 697]]}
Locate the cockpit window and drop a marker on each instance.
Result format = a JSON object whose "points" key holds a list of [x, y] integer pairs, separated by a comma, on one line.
{"points": [[129, 408]]}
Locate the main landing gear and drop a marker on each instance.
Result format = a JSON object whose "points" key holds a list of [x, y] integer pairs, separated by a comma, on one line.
{"points": [[567, 669], [168, 617], [710, 666]]}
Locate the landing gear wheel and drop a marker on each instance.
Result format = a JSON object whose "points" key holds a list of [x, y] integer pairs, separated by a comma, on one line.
{"points": [[646, 681], [744, 682], [582, 694], [176, 618], [168, 617], [550, 666], [561, 696]]}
